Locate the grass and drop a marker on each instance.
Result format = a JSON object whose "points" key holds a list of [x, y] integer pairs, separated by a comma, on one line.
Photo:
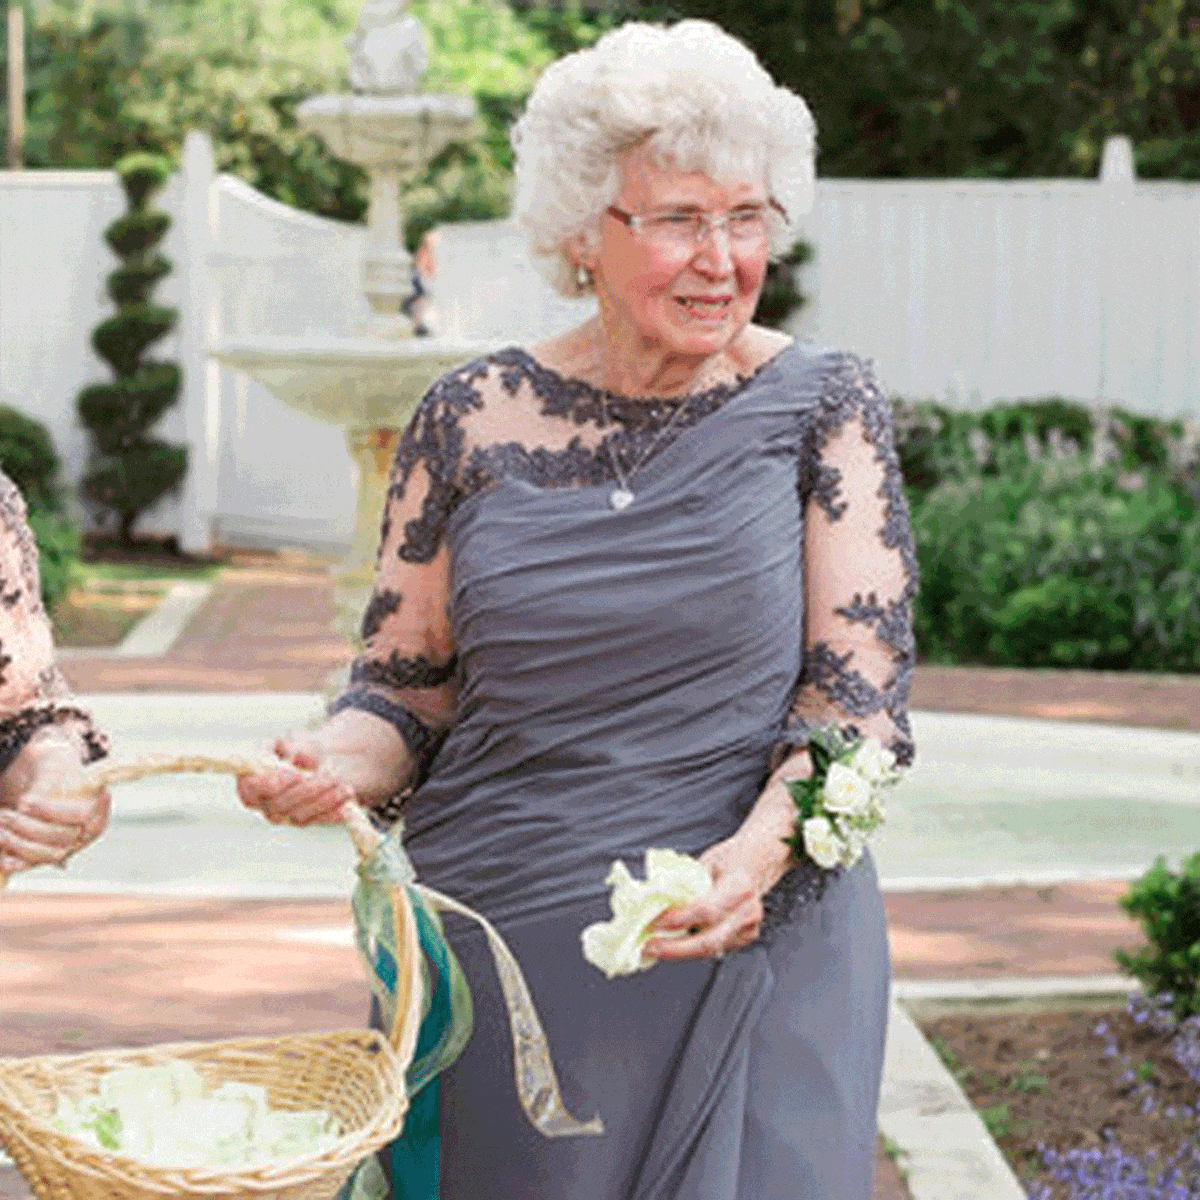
{"points": [[896, 1153], [93, 576], [96, 619], [997, 1118]]}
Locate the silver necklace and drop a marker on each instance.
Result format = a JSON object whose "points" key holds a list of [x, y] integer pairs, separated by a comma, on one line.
{"points": [[621, 497]]}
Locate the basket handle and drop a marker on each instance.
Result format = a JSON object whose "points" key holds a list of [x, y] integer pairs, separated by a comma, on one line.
{"points": [[366, 839], [362, 833]]}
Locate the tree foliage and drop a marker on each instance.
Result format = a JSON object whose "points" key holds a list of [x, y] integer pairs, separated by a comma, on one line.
{"points": [[112, 77], [900, 88], [980, 88]]}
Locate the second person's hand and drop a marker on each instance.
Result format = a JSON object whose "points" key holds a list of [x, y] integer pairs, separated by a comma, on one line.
{"points": [[42, 819]]}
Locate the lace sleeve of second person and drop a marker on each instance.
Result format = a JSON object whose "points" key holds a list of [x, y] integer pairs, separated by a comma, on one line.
{"points": [[33, 693]]}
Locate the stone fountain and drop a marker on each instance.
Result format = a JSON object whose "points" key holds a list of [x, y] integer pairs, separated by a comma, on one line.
{"points": [[370, 384]]}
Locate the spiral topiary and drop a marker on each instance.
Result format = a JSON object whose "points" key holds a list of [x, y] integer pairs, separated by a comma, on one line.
{"points": [[129, 469]]}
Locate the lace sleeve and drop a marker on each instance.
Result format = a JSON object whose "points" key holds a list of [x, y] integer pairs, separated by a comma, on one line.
{"points": [[859, 569], [406, 672], [33, 693]]}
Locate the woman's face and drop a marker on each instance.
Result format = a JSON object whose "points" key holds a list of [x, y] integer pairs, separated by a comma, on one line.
{"points": [[655, 283]]}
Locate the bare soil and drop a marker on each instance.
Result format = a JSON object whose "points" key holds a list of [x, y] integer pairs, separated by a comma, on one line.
{"points": [[142, 551], [1068, 1079]]}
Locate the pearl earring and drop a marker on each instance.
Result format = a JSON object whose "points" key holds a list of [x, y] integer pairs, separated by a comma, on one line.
{"points": [[583, 277]]}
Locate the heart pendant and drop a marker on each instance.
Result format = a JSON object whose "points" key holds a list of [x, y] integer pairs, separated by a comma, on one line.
{"points": [[620, 498]]}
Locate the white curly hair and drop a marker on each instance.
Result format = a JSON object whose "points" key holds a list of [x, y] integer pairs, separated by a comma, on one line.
{"points": [[694, 95]]}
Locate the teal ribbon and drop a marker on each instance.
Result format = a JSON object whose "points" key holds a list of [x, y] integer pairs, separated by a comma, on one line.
{"points": [[416, 1155]]}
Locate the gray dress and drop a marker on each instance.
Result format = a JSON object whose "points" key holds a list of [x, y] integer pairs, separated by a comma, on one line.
{"points": [[577, 684]]}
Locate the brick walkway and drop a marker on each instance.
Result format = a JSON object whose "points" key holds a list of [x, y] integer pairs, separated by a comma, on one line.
{"points": [[170, 969], [1107, 697], [266, 627]]}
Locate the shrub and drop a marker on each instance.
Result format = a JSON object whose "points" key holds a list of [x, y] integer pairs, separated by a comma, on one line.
{"points": [[58, 552], [130, 470], [1167, 905], [935, 442], [28, 458], [136, 232], [122, 340], [1056, 564], [1053, 534], [780, 296], [133, 284]]}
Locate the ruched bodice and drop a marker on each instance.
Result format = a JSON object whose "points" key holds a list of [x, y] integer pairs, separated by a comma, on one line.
{"points": [[622, 675]]}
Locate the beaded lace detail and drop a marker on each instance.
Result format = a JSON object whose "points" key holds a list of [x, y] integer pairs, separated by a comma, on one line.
{"points": [[507, 416], [33, 693]]}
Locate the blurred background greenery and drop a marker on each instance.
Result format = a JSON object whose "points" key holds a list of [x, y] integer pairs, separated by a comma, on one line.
{"points": [[1049, 533]]}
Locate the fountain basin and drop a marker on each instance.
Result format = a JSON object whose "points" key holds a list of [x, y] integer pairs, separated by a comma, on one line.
{"points": [[398, 133], [389, 132], [358, 383]]}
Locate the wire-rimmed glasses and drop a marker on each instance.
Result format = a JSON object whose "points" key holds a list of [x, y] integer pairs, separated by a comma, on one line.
{"points": [[685, 228]]}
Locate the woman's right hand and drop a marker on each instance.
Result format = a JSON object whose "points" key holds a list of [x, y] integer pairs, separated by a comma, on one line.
{"points": [[352, 756], [310, 786]]}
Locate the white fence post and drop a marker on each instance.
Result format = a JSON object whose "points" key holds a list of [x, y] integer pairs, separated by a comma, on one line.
{"points": [[1117, 177], [201, 397]]}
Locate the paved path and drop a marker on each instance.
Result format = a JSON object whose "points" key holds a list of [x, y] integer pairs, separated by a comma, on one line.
{"points": [[266, 628]]}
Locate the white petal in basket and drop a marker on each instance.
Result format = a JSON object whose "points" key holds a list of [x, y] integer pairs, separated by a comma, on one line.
{"points": [[160, 1115], [672, 878]]}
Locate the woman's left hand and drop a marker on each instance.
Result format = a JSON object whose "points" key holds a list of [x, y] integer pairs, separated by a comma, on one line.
{"points": [[730, 916], [38, 823]]}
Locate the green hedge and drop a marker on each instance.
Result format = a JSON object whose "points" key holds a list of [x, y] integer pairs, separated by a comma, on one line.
{"points": [[28, 457], [1052, 535], [58, 551]]}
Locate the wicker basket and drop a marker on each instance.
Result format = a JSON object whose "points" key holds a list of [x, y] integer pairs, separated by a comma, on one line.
{"points": [[356, 1074]]}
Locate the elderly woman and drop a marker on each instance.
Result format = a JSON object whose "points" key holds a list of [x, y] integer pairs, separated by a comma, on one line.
{"points": [[623, 573], [45, 737]]}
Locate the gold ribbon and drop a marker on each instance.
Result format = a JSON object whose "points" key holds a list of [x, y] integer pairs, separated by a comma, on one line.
{"points": [[537, 1083]]}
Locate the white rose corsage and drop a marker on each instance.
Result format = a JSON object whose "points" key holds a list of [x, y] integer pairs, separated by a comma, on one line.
{"points": [[841, 803]]}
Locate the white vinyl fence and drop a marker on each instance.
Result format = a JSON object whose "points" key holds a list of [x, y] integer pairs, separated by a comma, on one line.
{"points": [[959, 290], [979, 291]]}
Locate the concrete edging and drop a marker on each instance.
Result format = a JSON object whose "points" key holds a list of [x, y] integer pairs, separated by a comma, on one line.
{"points": [[948, 1153], [156, 632], [160, 628]]}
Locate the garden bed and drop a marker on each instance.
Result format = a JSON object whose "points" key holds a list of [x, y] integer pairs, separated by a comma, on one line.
{"points": [[1090, 1082]]}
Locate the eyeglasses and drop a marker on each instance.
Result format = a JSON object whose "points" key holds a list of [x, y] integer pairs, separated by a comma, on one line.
{"points": [[686, 228]]}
